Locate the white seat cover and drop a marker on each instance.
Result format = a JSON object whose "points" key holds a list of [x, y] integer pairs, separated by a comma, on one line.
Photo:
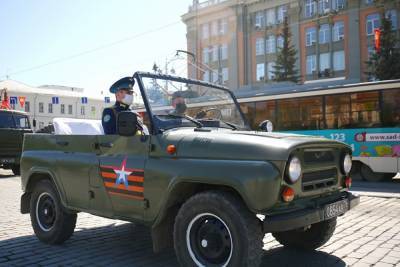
{"points": [[68, 126]]}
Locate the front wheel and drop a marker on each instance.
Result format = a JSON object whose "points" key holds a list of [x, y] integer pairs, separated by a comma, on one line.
{"points": [[216, 229], [51, 224], [310, 238]]}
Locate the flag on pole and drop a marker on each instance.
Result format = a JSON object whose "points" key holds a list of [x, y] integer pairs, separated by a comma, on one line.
{"points": [[84, 100], [13, 100], [22, 101], [55, 100], [107, 99]]}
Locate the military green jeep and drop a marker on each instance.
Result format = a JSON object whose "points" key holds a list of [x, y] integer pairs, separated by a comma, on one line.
{"points": [[198, 177], [13, 126]]}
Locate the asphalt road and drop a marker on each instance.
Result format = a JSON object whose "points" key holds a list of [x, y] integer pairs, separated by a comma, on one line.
{"points": [[366, 236]]}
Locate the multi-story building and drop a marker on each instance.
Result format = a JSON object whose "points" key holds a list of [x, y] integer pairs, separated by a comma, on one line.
{"points": [[50, 101], [236, 42]]}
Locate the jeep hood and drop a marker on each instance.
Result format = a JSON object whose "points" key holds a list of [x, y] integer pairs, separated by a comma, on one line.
{"points": [[244, 145]]}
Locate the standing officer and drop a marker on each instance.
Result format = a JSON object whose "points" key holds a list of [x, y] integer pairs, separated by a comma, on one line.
{"points": [[123, 90]]}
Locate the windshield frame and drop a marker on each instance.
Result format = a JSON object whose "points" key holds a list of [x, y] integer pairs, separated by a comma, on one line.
{"points": [[155, 128]]}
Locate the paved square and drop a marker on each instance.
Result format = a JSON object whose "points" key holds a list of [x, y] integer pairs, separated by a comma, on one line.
{"points": [[369, 235]]}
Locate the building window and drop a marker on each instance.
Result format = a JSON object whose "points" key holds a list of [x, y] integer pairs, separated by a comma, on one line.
{"points": [[311, 37], [215, 53], [70, 109], [225, 75], [214, 76], [260, 72], [214, 28], [62, 108], [373, 22], [270, 70], [324, 6], [206, 76], [259, 21], [223, 26], [93, 110], [205, 55], [271, 20], [338, 60], [324, 61], [339, 4], [260, 46], [392, 16], [50, 110], [280, 41], [311, 62], [83, 110], [338, 31], [271, 44], [369, 2], [224, 51], [41, 107], [282, 13], [204, 31], [27, 106], [324, 34], [309, 8]]}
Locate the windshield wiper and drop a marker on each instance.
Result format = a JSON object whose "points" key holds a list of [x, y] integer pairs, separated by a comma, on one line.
{"points": [[199, 124], [233, 126]]}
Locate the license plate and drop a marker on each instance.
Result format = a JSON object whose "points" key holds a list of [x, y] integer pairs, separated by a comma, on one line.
{"points": [[336, 209]]}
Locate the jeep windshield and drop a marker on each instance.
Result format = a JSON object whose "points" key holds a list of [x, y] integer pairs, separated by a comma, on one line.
{"points": [[178, 102]]}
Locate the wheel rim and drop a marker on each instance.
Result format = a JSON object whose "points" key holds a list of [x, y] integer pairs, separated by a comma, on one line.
{"points": [[209, 240], [45, 211]]}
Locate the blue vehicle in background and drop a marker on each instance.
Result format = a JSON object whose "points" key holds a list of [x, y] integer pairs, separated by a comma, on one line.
{"points": [[366, 116]]}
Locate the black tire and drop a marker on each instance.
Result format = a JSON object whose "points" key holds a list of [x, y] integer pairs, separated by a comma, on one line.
{"points": [[51, 224], [16, 169], [314, 237], [369, 175], [220, 229]]}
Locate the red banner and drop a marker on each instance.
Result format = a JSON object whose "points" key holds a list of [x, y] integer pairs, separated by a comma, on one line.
{"points": [[22, 100]]}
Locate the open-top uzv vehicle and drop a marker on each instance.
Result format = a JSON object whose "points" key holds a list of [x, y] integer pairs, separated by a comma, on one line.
{"points": [[200, 178]]}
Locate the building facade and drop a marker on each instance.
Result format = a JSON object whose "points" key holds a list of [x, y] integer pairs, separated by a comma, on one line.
{"points": [[236, 42], [47, 102]]}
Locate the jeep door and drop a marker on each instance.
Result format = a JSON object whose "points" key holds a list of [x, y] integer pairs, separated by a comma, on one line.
{"points": [[121, 176]]}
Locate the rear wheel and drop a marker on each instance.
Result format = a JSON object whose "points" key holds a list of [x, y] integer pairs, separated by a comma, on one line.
{"points": [[51, 224], [216, 229], [16, 169], [369, 175], [311, 238]]}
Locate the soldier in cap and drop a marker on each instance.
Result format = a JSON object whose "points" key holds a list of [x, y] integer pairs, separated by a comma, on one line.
{"points": [[178, 103], [123, 90]]}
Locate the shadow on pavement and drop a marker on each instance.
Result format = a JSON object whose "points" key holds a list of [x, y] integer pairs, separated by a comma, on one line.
{"points": [[292, 257], [127, 245]]}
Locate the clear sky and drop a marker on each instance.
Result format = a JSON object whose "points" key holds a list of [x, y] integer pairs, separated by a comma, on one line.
{"points": [[37, 32]]}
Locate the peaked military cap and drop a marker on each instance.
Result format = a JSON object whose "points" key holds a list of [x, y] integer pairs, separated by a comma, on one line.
{"points": [[126, 83]]}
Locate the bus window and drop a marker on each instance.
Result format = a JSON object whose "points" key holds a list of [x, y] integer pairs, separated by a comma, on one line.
{"points": [[300, 114], [391, 108], [365, 110], [337, 111], [248, 110], [265, 110]]}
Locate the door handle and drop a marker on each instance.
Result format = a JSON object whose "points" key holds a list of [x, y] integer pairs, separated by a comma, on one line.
{"points": [[62, 143], [106, 145]]}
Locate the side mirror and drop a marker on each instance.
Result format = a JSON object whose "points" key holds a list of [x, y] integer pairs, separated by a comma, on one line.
{"points": [[34, 123], [266, 126], [127, 123]]}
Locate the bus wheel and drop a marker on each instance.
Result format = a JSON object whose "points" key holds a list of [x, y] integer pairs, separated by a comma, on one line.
{"points": [[369, 175]]}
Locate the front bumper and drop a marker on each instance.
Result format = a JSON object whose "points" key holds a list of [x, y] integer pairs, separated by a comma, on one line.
{"points": [[305, 217]]}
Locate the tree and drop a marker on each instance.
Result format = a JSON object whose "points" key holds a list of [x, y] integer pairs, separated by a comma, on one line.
{"points": [[384, 63], [285, 69]]}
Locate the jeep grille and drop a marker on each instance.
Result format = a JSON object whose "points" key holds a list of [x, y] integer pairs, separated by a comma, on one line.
{"points": [[319, 179]]}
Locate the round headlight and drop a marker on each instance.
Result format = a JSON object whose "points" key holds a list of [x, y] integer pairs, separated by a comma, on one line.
{"points": [[270, 127], [347, 162], [294, 169]]}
